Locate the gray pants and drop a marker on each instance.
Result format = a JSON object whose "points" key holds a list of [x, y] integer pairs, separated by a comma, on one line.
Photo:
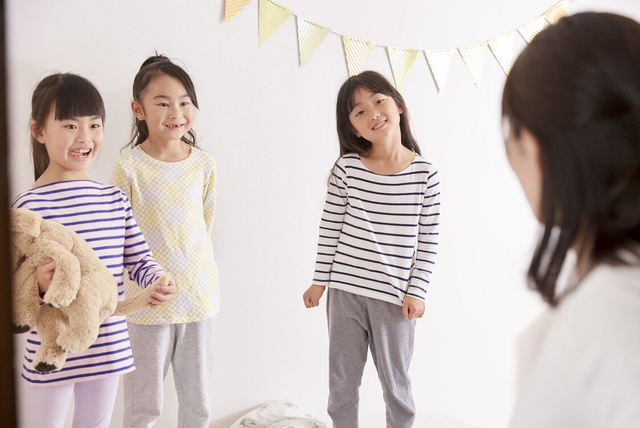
{"points": [[189, 349], [357, 323]]}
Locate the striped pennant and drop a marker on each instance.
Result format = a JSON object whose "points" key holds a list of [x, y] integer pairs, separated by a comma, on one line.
{"points": [[271, 16], [473, 57], [531, 29], [502, 48], [439, 61], [401, 61], [560, 10], [357, 52], [232, 7], [310, 36]]}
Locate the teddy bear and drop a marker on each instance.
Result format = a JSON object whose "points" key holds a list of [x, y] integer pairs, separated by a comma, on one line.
{"points": [[82, 292]]}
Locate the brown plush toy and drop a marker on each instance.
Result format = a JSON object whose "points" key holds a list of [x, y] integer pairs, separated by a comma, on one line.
{"points": [[82, 293]]}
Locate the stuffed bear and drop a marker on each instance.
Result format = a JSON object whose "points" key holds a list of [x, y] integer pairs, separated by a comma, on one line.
{"points": [[82, 292]]}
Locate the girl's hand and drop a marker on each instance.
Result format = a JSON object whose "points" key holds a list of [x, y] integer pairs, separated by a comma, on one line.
{"points": [[412, 308], [164, 294], [44, 274], [312, 296]]}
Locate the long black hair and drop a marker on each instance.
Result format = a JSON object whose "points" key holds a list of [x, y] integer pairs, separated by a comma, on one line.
{"points": [[151, 68], [576, 88], [70, 96], [377, 84]]}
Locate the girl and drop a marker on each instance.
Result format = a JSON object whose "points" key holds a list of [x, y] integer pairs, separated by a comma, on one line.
{"points": [[572, 101], [67, 119], [172, 187], [378, 239]]}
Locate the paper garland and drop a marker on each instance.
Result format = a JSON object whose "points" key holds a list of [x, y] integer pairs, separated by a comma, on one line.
{"points": [[357, 51], [232, 7], [272, 15], [310, 36]]}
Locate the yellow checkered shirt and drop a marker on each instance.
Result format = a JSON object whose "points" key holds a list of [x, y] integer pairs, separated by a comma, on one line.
{"points": [[173, 204]]}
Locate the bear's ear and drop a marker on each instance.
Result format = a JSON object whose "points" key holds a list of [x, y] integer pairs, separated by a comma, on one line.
{"points": [[25, 221]]}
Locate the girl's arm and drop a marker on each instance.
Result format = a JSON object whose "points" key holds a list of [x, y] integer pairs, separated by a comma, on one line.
{"points": [[427, 247], [331, 223], [209, 197]]}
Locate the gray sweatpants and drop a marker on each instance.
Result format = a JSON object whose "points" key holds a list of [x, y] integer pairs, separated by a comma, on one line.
{"points": [[357, 323], [189, 349]]}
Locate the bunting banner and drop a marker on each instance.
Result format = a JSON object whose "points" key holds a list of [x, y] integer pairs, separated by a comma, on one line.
{"points": [[531, 29], [357, 52], [473, 57], [502, 48], [232, 7], [401, 61], [271, 16], [560, 10], [310, 36], [439, 61]]}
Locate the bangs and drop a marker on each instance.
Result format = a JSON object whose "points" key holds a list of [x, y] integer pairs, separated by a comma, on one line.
{"points": [[370, 82], [77, 97]]}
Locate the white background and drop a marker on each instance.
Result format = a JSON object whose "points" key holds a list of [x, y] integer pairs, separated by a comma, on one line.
{"points": [[271, 126]]}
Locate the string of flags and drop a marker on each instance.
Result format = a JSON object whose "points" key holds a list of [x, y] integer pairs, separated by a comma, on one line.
{"points": [[310, 35]]}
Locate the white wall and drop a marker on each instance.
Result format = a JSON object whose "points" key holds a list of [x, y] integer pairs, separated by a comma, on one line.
{"points": [[271, 126]]}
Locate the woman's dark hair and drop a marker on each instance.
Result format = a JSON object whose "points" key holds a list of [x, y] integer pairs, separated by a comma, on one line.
{"points": [[377, 84], [576, 88], [153, 67], [69, 95]]}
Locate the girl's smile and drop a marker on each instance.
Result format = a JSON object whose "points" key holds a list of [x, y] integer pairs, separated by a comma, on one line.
{"points": [[375, 117]]}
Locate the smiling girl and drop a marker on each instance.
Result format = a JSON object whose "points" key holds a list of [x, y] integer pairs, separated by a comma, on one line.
{"points": [[377, 248], [172, 187], [67, 118]]}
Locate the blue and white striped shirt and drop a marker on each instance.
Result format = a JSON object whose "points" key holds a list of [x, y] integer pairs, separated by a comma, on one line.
{"points": [[379, 233], [101, 215]]}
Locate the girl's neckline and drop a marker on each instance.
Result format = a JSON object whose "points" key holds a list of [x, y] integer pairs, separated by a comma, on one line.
{"points": [[415, 155], [191, 151], [62, 182]]}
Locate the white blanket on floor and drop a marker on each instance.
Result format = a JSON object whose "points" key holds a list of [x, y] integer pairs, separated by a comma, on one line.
{"points": [[278, 414]]}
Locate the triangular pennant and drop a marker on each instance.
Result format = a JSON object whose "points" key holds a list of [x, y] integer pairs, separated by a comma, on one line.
{"points": [[401, 60], [357, 52], [473, 57], [502, 48], [531, 29], [271, 16], [310, 36], [232, 7], [559, 10], [439, 61]]}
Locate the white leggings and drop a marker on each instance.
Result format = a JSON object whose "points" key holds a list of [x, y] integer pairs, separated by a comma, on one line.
{"points": [[47, 406]]}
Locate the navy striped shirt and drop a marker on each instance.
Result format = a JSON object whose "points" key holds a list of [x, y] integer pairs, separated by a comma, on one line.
{"points": [[101, 215], [379, 233]]}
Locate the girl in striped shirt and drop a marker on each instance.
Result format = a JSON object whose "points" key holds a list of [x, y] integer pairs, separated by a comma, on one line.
{"points": [[67, 132], [377, 246]]}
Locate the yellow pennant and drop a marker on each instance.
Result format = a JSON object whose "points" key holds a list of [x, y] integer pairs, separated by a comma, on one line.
{"points": [[439, 61], [310, 36], [531, 29], [559, 10], [502, 48], [473, 57], [232, 7], [401, 61], [357, 52], [271, 16]]}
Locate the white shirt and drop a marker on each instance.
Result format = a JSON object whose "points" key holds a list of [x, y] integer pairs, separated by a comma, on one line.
{"points": [[580, 362]]}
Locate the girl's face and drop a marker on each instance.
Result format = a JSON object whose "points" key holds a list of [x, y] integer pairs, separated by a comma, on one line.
{"points": [[72, 144], [524, 156], [166, 108], [376, 117]]}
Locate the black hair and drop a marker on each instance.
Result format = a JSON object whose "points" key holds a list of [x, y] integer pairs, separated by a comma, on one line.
{"points": [[151, 68], [377, 84], [70, 96], [576, 89]]}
